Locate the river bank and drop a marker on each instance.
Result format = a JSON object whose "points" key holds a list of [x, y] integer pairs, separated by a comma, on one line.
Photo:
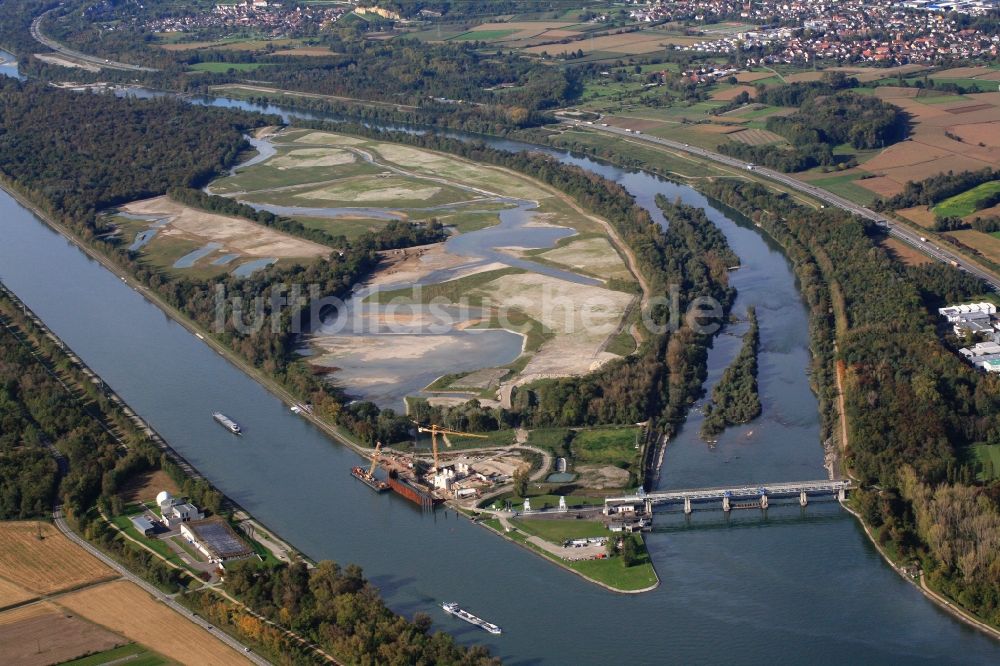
{"points": [[791, 588], [949, 606]]}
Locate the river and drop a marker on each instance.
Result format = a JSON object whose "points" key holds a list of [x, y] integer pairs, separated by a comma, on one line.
{"points": [[801, 586]]}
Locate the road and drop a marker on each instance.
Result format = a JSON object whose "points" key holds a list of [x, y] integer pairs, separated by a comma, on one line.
{"points": [[60, 522], [896, 230], [36, 33]]}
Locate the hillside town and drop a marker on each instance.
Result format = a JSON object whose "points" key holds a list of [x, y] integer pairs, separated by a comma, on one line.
{"points": [[272, 19], [851, 31]]}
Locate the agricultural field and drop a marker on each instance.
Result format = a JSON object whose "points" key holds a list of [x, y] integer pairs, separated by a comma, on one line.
{"points": [[42, 634], [987, 244], [133, 655], [971, 119], [48, 564], [126, 609], [970, 201], [632, 43]]}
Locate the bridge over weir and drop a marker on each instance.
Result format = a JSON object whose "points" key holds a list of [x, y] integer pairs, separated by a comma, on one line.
{"points": [[729, 496]]}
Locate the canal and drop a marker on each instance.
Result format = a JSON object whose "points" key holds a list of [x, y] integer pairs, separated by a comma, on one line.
{"points": [[798, 586]]}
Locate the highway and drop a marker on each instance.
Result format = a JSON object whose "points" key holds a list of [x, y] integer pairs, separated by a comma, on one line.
{"points": [[36, 32], [60, 522], [896, 230]]}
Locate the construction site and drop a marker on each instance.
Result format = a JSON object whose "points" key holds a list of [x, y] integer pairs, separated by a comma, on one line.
{"points": [[462, 476]]}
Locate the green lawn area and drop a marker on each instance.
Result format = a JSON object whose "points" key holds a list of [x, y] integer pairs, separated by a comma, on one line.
{"points": [[846, 187], [550, 439], [970, 201], [483, 35], [611, 572], [614, 573], [606, 446], [760, 113], [350, 229], [133, 654], [223, 67], [550, 501], [988, 456], [558, 531]]}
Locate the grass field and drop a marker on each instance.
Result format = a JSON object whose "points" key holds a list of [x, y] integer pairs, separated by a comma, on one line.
{"points": [[223, 67], [484, 35], [970, 201], [45, 565], [988, 456], [610, 572], [133, 655], [606, 446], [559, 531], [126, 609], [847, 187]]}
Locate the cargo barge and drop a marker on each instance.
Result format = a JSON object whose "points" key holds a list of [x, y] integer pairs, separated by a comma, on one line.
{"points": [[412, 492], [362, 475], [227, 423], [456, 610]]}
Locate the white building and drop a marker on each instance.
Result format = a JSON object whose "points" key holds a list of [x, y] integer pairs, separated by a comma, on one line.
{"points": [[173, 511]]}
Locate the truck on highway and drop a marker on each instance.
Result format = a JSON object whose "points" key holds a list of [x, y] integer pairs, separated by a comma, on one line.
{"points": [[923, 239]]}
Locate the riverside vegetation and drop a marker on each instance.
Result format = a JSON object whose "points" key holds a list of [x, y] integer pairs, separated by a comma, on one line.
{"points": [[914, 410], [735, 398]]}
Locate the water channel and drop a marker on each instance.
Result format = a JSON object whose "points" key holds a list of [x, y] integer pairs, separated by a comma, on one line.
{"points": [[798, 586]]}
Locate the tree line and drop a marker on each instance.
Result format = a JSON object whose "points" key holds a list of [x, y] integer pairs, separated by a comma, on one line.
{"points": [[936, 189]]}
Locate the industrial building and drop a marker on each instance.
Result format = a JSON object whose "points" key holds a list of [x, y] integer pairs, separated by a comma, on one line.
{"points": [[143, 525], [216, 540], [984, 355], [976, 318]]}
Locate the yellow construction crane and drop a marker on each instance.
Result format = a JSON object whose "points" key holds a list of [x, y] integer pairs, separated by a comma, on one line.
{"points": [[378, 447], [436, 430]]}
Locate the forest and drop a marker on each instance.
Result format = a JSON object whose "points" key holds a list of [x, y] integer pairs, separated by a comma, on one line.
{"points": [[735, 398], [83, 155], [913, 407], [339, 610]]}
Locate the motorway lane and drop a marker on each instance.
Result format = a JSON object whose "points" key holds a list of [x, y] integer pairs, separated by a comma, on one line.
{"points": [[896, 230], [60, 522], [36, 33]]}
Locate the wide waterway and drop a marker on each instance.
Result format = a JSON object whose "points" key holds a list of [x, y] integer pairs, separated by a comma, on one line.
{"points": [[799, 586]]}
